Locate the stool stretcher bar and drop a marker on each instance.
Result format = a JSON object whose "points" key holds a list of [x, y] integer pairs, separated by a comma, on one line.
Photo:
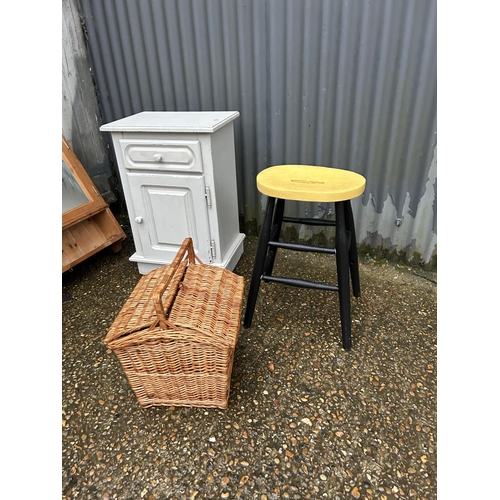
{"points": [[301, 283], [302, 248], [310, 222]]}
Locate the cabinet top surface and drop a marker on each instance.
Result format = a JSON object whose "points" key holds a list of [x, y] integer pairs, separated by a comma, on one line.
{"points": [[172, 121]]}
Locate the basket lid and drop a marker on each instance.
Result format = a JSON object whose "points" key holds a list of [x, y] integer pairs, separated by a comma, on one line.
{"points": [[138, 313], [209, 301], [206, 309]]}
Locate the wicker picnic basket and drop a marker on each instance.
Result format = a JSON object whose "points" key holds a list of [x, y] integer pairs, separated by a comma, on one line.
{"points": [[176, 334]]}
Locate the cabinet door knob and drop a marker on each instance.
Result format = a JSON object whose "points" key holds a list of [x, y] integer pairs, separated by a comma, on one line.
{"points": [[157, 157], [138, 219]]}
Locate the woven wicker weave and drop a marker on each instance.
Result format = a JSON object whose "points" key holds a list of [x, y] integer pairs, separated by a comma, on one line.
{"points": [[176, 334]]}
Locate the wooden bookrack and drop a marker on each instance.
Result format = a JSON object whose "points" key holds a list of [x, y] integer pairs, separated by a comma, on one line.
{"points": [[88, 225]]}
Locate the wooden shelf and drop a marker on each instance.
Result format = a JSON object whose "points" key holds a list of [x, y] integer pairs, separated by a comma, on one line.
{"points": [[89, 236], [91, 226]]}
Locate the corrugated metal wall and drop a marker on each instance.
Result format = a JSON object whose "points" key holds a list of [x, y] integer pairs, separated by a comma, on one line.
{"points": [[348, 84]]}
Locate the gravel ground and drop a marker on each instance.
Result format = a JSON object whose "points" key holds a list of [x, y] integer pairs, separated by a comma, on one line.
{"points": [[306, 419]]}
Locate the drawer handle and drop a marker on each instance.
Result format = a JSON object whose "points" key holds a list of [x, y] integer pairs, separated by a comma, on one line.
{"points": [[157, 157], [139, 219]]}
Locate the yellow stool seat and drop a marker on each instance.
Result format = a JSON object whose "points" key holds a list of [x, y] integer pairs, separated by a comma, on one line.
{"points": [[310, 183]]}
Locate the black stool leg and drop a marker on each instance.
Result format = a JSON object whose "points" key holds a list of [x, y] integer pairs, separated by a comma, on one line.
{"points": [[353, 250], [275, 233], [341, 244], [260, 259]]}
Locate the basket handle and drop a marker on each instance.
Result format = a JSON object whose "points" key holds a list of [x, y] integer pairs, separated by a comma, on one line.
{"points": [[186, 248]]}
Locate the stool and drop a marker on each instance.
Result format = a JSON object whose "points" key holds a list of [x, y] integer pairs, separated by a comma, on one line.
{"points": [[310, 184]]}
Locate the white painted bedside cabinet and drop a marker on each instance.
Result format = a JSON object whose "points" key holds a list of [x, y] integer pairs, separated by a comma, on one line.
{"points": [[179, 179]]}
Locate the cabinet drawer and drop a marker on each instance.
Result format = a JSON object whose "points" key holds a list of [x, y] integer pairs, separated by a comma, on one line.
{"points": [[162, 155]]}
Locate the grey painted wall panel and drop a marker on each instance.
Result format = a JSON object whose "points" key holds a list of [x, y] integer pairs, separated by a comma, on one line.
{"points": [[80, 111], [328, 82]]}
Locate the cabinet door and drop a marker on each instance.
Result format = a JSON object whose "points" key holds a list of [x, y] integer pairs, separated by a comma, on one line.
{"points": [[167, 209]]}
